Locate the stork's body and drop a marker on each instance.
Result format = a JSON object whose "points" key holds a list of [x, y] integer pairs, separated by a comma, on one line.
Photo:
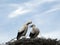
{"points": [[35, 31], [23, 30]]}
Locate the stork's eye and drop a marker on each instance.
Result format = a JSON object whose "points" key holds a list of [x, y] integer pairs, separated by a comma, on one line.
{"points": [[31, 26]]}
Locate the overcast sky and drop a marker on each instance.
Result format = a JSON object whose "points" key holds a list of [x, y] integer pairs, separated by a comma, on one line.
{"points": [[45, 14]]}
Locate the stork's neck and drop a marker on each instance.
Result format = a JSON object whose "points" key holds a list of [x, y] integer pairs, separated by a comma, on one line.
{"points": [[33, 26]]}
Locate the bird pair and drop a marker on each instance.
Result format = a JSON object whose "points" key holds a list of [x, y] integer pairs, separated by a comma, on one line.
{"points": [[23, 30]]}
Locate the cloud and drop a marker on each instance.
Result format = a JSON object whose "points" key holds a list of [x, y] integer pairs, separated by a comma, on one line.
{"points": [[53, 35], [20, 11], [49, 0], [38, 18], [35, 3], [29, 5], [50, 11]]}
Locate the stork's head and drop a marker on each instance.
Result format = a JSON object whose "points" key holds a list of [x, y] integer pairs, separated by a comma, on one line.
{"points": [[29, 22], [33, 25]]}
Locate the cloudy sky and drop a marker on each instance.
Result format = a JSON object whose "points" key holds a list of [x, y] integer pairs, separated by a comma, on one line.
{"points": [[44, 13]]}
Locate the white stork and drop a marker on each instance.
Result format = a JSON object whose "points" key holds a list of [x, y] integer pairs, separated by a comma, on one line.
{"points": [[35, 31], [23, 30]]}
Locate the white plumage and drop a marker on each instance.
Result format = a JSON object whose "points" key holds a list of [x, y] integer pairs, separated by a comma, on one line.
{"points": [[23, 30], [35, 31]]}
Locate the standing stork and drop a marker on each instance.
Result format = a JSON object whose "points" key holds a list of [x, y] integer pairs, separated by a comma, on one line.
{"points": [[23, 30], [35, 31]]}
